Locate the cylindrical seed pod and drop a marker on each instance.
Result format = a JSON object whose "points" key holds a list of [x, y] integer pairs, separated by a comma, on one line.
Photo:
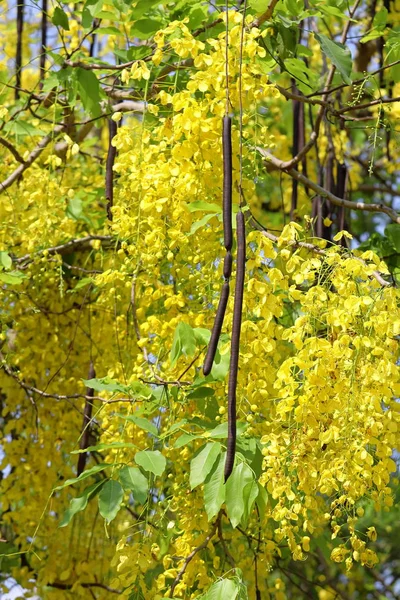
{"points": [[228, 264], [235, 342], [227, 184], [216, 331], [111, 154]]}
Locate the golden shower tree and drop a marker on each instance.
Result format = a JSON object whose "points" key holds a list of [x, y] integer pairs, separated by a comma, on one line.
{"points": [[133, 137]]}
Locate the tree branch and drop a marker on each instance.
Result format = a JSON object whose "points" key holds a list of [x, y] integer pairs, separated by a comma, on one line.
{"points": [[266, 16], [323, 193], [11, 148], [191, 556], [308, 246], [66, 248], [31, 158], [367, 105]]}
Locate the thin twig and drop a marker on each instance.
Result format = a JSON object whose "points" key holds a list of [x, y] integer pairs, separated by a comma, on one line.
{"points": [[66, 248], [367, 105], [228, 555], [191, 556], [32, 157], [379, 208], [68, 586], [12, 149], [308, 246]]}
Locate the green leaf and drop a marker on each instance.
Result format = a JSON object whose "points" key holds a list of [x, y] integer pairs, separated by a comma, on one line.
{"points": [[84, 475], [198, 224], [89, 90], [262, 500], [140, 422], [134, 481], [151, 460], [202, 336], [105, 446], [220, 366], [221, 430], [184, 342], [214, 488], [5, 260], [142, 7], [259, 6], [80, 503], [174, 427], [81, 284], [12, 278], [203, 462], [205, 206], [140, 390], [93, 8], [392, 232], [110, 499], [75, 208], [145, 28], [250, 494], [20, 127], [200, 393], [105, 384], [305, 77], [60, 18], [339, 54], [186, 438], [380, 18], [223, 589], [109, 30], [240, 477]]}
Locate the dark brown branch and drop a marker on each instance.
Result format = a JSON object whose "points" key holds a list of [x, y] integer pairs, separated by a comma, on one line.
{"points": [[13, 150]]}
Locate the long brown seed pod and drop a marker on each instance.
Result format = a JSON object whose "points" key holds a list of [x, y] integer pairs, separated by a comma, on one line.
{"points": [[341, 193], [18, 52], [43, 44], [112, 151], [216, 331], [227, 185], [295, 151], [87, 415], [235, 342], [228, 265]]}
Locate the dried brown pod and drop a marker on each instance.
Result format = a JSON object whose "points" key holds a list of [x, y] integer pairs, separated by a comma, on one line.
{"points": [[227, 184], [235, 342], [216, 331]]}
